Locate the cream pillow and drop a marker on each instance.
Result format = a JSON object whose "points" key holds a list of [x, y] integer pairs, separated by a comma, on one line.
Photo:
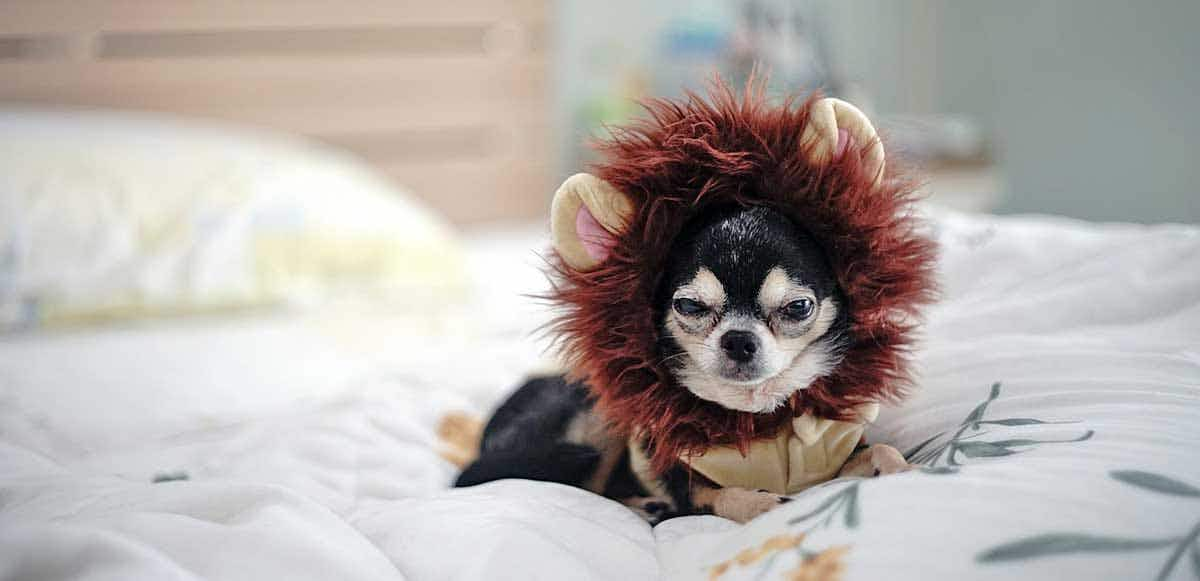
{"points": [[112, 215]]}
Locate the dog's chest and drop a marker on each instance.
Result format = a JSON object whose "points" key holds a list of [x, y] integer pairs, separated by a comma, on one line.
{"points": [[812, 452]]}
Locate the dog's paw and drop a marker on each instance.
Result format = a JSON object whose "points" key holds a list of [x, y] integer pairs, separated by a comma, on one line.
{"points": [[742, 505], [875, 460], [654, 509], [888, 460]]}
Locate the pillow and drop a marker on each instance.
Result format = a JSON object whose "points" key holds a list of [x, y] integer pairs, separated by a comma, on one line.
{"points": [[110, 215]]}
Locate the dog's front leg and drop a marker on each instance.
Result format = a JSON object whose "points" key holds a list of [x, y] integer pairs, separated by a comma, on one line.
{"points": [[875, 460], [736, 504]]}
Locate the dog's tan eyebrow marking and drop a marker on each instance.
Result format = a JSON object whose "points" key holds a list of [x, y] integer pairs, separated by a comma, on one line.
{"points": [[777, 288], [704, 287]]}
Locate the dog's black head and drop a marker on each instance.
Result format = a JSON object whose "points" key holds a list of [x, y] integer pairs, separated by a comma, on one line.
{"points": [[750, 311]]}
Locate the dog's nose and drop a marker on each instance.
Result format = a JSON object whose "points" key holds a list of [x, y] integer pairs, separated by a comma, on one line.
{"points": [[740, 346]]}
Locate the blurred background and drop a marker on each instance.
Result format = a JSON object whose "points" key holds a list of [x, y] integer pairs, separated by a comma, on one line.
{"points": [[1075, 107]]}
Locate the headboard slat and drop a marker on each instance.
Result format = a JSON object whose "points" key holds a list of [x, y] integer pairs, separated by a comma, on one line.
{"points": [[449, 98], [91, 16]]}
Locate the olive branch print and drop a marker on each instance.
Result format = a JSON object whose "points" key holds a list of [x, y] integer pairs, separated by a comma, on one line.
{"points": [[947, 456], [816, 564], [1051, 544], [844, 502]]}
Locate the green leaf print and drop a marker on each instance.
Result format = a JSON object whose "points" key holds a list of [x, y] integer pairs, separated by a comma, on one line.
{"points": [[1051, 544], [961, 445], [1156, 482], [1066, 543]]}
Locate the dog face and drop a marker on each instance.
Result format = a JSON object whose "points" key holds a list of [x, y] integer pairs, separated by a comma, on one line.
{"points": [[750, 310]]}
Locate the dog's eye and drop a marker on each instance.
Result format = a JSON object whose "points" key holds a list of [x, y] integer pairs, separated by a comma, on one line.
{"points": [[798, 309], [689, 307]]}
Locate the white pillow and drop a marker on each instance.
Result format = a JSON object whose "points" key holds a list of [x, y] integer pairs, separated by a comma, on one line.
{"points": [[106, 215]]}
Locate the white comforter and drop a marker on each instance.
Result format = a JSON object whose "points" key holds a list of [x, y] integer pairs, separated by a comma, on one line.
{"points": [[1060, 376]]}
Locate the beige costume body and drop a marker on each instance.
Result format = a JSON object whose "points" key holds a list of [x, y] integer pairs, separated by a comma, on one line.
{"points": [[812, 452]]}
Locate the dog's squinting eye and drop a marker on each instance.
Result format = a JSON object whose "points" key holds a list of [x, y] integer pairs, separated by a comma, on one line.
{"points": [[798, 309], [689, 307]]}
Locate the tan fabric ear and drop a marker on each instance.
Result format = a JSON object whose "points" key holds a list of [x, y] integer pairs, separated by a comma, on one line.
{"points": [[829, 115], [608, 207]]}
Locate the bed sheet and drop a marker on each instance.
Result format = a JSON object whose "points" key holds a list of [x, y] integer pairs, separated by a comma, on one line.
{"points": [[1057, 417]]}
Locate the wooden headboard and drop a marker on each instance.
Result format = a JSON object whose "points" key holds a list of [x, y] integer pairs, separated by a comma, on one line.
{"points": [[448, 97]]}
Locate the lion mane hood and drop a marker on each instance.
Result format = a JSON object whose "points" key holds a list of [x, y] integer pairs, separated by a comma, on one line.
{"points": [[726, 148]]}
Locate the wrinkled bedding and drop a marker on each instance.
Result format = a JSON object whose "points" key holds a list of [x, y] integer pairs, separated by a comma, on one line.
{"points": [[1057, 419]]}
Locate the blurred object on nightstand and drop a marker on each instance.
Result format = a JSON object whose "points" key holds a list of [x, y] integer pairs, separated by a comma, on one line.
{"points": [[607, 61], [967, 187], [953, 156]]}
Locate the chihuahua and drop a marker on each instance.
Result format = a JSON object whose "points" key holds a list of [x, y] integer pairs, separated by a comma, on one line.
{"points": [[748, 313]]}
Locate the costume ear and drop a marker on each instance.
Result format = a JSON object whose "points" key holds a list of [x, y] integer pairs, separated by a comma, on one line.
{"points": [[835, 127], [585, 218]]}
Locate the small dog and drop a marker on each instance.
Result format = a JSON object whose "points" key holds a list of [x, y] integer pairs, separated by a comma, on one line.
{"points": [[748, 313]]}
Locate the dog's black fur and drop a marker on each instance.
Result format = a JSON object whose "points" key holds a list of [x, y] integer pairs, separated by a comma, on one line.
{"points": [[741, 244], [525, 439]]}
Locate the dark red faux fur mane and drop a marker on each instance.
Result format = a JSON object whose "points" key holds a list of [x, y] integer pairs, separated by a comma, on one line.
{"points": [[690, 155]]}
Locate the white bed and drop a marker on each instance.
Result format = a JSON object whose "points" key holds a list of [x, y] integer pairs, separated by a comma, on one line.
{"points": [[301, 443]]}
